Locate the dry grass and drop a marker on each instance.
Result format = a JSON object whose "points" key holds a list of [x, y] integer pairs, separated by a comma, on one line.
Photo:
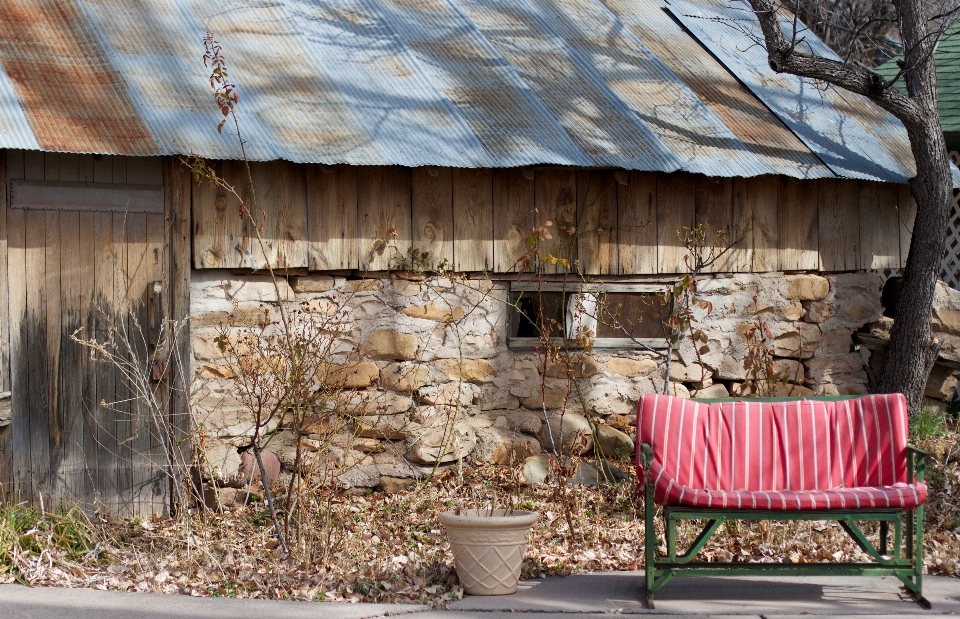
{"points": [[391, 548]]}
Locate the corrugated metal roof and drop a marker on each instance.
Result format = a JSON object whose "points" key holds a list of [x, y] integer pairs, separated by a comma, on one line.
{"points": [[464, 83], [852, 136]]}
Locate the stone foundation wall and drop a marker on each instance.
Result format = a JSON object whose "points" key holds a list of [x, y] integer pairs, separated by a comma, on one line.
{"points": [[420, 353]]}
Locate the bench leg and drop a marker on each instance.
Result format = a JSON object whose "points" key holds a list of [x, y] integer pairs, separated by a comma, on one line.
{"points": [[650, 542], [913, 584]]}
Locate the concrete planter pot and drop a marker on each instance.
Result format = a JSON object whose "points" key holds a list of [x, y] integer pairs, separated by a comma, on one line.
{"points": [[488, 547]]}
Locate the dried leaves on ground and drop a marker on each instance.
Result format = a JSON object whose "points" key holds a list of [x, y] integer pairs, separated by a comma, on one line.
{"points": [[390, 548]]}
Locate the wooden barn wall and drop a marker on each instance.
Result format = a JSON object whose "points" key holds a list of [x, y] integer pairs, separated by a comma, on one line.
{"points": [[59, 259], [610, 222]]}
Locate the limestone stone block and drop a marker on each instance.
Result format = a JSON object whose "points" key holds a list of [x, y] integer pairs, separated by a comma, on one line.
{"points": [[793, 311], [449, 394], [437, 312], [492, 398], [693, 373], [612, 442], [216, 371], [820, 311], [360, 476], [535, 470], [241, 316], [501, 446], [406, 288], [942, 383], [717, 390], [373, 402], [624, 423], [205, 348], [520, 419], [383, 427], [438, 445], [839, 369], [788, 390], [467, 370], [601, 473], [390, 345], [356, 375], [807, 287], [552, 397], [250, 468], [259, 288], [571, 433], [366, 445], [630, 367], [393, 464], [798, 343], [577, 366], [353, 286], [790, 369], [395, 485], [222, 459], [404, 377], [312, 283]]}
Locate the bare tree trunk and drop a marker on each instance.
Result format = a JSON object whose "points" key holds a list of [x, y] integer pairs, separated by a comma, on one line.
{"points": [[911, 352]]}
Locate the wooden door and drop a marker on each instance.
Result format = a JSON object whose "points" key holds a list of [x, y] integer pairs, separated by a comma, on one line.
{"points": [[85, 245]]}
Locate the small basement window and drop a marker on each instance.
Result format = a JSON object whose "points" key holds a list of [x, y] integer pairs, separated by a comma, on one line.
{"points": [[620, 316]]}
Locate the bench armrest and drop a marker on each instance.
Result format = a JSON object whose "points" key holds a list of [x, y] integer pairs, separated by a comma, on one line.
{"points": [[916, 464]]}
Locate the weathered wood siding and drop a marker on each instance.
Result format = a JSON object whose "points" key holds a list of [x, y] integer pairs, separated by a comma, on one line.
{"points": [[609, 222], [79, 250]]}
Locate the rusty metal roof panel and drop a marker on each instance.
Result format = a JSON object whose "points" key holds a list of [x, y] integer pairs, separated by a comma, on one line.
{"points": [[840, 128], [757, 128], [661, 100], [481, 84], [15, 131], [464, 83], [600, 123]]}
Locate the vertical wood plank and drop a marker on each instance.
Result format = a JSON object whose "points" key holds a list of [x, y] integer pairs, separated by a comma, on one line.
{"points": [[759, 199], [137, 170], [176, 287], [676, 209], [35, 352], [102, 169], [70, 404], [799, 244], [6, 434], [879, 222], [85, 168], [513, 216], [473, 219], [555, 195], [332, 218], [51, 166], [119, 403], [105, 478], [714, 209], [383, 205], [907, 213], [134, 437], [433, 213], [154, 491], [218, 228], [119, 164], [637, 223], [87, 315], [839, 226], [19, 367], [70, 167], [281, 189], [53, 330], [4, 296], [15, 164], [33, 165], [597, 215]]}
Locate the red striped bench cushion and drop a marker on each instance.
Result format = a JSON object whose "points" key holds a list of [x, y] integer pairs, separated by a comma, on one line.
{"points": [[805, 454]]}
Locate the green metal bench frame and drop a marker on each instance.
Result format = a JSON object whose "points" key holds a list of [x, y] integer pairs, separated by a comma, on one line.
{"points": [[904, 563]]}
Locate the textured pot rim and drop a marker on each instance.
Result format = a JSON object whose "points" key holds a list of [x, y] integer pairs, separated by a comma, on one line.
{"points": [[477, 518]]}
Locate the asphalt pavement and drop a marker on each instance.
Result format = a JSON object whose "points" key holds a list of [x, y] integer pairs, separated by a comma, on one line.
{"points": [[584, 596]]}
